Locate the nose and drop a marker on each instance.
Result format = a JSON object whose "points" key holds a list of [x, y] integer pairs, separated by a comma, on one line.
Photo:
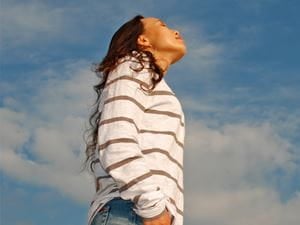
{"points": [[177, 34]]}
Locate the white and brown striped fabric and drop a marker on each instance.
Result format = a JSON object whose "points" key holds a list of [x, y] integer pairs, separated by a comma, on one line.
{"points": [[140, 145]]}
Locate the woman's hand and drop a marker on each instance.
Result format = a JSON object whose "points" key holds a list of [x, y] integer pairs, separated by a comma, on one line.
{"points": [[162, 219]]}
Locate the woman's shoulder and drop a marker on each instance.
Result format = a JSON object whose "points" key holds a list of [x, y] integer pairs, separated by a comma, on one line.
{"points": [[129, 67]]}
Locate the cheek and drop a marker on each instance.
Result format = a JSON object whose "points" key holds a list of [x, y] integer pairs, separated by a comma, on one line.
{"points": [[164, 40]]}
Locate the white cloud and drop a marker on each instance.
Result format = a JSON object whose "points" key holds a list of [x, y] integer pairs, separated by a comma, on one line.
{"points": [[11, 133], [246, 207], [28, 21], [276, 106], [31, 22], [34, 23], [225, 166], [203, 104], [235, 155], [43, 143], [67, 93], [226, 170]]}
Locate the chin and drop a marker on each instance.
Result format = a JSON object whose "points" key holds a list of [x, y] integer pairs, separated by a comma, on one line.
{"points": [[179, 54]]}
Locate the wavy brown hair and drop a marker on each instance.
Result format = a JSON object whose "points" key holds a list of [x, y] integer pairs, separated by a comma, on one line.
{"points": [[123, 43]]}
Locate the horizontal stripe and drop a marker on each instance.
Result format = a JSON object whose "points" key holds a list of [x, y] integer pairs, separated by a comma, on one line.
{"points": [[147, 151], [171, 114], [152, 93], [156, 125], [113, 190], [137, 198], [161, 172], [161, 93], [122, 163], [163, 132], [165, 152], [125, 97], [117, 119], [143, 108], [130, 78], [177, 209], [117, 140], [127, 119], [127, 77], [146, 175], [135, 181]]}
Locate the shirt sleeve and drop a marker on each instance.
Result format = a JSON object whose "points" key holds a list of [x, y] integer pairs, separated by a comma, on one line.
{"points": [[119, 150]]}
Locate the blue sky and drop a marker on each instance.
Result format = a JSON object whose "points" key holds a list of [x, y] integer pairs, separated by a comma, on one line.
{"points": [[238, 84]]}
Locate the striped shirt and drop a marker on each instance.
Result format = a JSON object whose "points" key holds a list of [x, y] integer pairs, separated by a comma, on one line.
{"points": [[139, 155]]}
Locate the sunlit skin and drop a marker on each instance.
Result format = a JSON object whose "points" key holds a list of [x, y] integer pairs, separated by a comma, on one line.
{"points": [[163, 219], [166, 45]]}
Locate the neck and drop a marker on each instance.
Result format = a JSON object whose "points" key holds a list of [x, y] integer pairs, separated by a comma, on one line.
{"points": [[163, 62]]}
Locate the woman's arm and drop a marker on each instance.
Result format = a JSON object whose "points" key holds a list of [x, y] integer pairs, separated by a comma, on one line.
{"points": [[163, 219], [119, 151]]}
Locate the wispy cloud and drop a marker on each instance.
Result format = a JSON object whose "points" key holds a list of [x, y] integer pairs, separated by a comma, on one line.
{"points": [[242, 138], [248, 104], [232, 161], [204, 55], [228, 172], [248, 206], [41, 139], [24, 22]]}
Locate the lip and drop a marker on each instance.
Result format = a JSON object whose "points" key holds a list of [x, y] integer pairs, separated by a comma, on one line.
{"points": [[179, 38]]}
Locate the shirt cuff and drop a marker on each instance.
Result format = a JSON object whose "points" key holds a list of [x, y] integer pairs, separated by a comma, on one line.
{"points": [[154, 212]]}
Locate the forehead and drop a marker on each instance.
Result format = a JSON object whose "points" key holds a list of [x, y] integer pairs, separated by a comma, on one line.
{"points": [[150, 21]]}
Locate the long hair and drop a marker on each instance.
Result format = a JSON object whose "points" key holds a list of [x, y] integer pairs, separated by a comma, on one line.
{"points": [[123, 43]]}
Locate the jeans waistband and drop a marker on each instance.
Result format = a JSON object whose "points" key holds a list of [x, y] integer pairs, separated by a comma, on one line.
{"points": [[119, 200]]}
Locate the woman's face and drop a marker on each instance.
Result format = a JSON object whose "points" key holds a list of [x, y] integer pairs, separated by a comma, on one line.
{"points": [[161, 40]]}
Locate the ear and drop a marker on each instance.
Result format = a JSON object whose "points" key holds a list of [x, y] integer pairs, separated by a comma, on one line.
{"points": [[143, 42]]}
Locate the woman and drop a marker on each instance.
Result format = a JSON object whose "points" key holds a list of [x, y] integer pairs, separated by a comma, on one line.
{"points": [[136, 149]]}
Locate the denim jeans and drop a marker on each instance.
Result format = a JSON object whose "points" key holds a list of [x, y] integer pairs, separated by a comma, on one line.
{"points": [[117, 212]]}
